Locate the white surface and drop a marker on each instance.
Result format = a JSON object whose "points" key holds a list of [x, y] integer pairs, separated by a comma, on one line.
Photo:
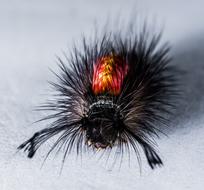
{"points": [[33, 32]]}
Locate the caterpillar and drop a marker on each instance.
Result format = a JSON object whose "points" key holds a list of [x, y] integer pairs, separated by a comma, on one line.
{"points": [[113, 92]]}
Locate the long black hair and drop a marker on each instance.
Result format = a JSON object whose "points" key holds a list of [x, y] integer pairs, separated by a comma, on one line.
{"points": [[126, 111]]}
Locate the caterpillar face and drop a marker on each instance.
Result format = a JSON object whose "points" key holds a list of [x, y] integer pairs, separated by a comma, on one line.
{"points": [[103, 123], [116, 91]]}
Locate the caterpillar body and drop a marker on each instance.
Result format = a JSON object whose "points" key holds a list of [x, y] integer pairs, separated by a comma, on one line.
{"points": [[113, 92]]}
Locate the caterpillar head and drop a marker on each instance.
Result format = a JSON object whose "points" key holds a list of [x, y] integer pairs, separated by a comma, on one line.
{"points": [[103, 123]]}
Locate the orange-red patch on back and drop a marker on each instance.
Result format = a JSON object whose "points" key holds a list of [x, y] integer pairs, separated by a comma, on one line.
{"points": [[108, 76]]}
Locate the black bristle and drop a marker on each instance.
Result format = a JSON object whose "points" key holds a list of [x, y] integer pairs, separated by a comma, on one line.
{"points": [[134, 116]]}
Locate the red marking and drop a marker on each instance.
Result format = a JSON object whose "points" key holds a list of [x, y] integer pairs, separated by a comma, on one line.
{"points": [[109, 73]]}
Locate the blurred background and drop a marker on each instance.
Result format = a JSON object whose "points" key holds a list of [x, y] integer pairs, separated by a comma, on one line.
{"points": [[32, 33]]}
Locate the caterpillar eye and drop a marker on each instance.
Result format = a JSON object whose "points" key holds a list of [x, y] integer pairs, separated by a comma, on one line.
{"points": [[116, 91]]}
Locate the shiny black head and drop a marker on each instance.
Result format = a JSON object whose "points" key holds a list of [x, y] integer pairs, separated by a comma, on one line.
{"points": [[103, 124]]}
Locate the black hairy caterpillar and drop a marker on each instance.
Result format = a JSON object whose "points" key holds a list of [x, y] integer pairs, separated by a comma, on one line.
{"points": [[114, 92]]}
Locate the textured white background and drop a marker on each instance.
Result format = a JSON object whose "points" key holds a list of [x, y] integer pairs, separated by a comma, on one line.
{"points": [[33, 32]]}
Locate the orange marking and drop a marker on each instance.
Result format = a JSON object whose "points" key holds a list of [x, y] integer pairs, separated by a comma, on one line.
{"points": [[109, 73]]}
